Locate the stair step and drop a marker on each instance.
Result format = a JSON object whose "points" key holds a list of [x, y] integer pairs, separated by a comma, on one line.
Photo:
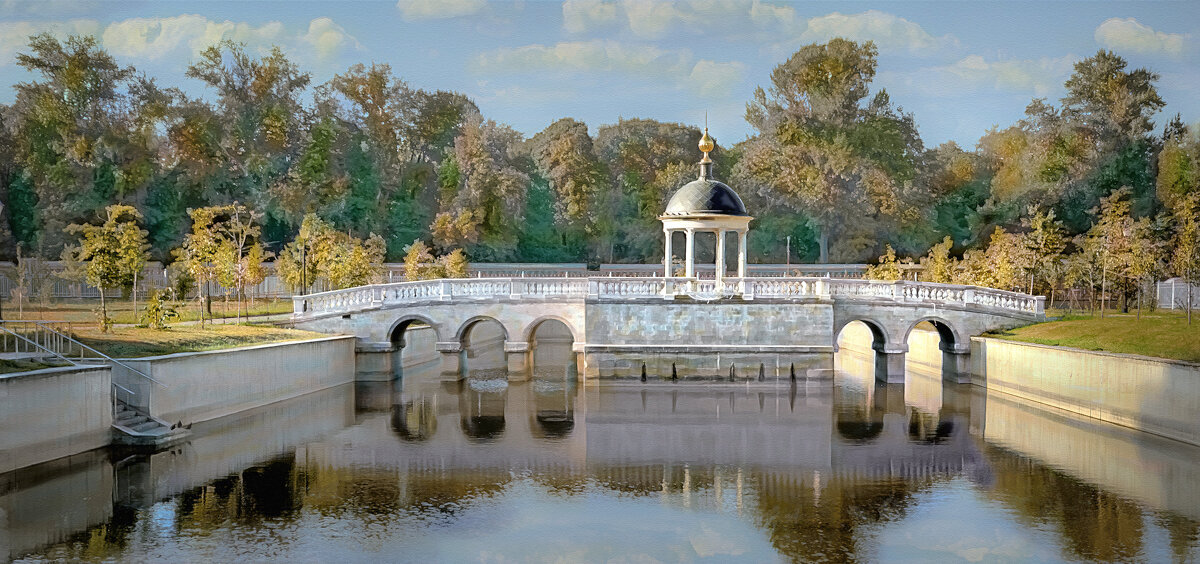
{"points": [[146, 426], [131, 421]]}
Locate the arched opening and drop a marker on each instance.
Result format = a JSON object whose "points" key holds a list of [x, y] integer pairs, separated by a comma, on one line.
{"points": [[413, 344], [855, 357], [924, 427], [482, 409], [936, 351], [551, 342], [856, 417], [483, 356]]}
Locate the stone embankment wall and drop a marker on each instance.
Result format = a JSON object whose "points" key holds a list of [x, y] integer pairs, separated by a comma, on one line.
{"points": [[1153, 395], [54, 412], [206, 385]]}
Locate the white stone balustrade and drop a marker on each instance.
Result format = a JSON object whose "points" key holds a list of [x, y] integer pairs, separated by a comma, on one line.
{"points": [[611, 288]]}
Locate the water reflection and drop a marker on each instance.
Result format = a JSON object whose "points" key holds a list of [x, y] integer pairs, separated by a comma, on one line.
{"points": [[545, 469]]}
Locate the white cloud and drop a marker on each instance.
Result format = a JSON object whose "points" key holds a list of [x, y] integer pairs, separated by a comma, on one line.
{"points": [[14, 36], [716, 79], [328, 39], [1130, 35], [156, 38], [413, 10], [677, 67], [974, 74], [651, 18], [886, 30], [582, 15], [183, 37], [654, 19]]}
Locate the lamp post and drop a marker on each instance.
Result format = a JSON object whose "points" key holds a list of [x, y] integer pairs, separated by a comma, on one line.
{"points": [[789, 253]]}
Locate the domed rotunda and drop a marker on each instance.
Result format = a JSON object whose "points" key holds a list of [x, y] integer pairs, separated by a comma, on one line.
{"points": [[706, 205]]}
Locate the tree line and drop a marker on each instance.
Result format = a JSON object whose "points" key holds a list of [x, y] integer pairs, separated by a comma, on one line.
{"points": [[365, 161]]}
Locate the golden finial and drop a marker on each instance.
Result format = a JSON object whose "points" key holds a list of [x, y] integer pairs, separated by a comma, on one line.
{"points": [[706, 144]]}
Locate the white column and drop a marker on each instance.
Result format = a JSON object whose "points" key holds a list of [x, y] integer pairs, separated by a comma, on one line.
{"points": [[689, 264], [667, 260], [720, 264], [742, 254]]}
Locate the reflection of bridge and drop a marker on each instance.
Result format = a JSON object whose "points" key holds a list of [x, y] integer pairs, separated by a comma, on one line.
{"points": [[686, 327]]}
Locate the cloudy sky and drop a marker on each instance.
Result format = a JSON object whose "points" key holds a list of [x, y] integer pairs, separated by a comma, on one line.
{"points": [[960, 67]]}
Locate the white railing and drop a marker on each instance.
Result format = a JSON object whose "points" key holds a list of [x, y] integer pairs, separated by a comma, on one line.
{"points": [[641, 287]]}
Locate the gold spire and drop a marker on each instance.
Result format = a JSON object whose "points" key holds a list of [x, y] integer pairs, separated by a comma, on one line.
{"points": [[706, 144]]}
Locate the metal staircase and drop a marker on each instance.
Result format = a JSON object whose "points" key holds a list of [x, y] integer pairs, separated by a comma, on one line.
{"points": [[43, 341]]}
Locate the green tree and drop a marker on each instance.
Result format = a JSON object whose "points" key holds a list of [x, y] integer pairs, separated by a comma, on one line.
{"points": [[418, 260], [454, 264], [71, 131], [1045, 242], [107, 249], [1185, 262], [888, 267], [1115, 104], [200, 253], [937, 266], [825, 150]]}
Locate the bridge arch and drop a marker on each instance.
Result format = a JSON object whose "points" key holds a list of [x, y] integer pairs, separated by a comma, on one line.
{"points": [[879, 334], [465, 327], [395, 332], [532, 327], [950, 335]]}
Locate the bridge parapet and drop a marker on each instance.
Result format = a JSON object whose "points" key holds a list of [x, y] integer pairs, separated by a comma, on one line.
{"points": [[466, 290]]}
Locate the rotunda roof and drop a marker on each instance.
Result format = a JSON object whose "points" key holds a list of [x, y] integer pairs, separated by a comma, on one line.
{"points": [[705, 197]]}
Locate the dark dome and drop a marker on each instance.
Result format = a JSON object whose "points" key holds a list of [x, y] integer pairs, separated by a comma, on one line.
{"points": [[706, 197]]}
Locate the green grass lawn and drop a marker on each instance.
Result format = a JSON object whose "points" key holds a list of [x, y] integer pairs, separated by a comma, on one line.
{"points": [[9, 366], [121, 311], [130, 342], [1163, 334]]}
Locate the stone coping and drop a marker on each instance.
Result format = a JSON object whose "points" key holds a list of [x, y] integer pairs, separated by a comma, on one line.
{"points": [[1139, 357], [181, 355], [52, 371]]}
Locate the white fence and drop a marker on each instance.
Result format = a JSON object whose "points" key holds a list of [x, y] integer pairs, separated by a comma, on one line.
{"points": [[1173, 294], [635, 288]]}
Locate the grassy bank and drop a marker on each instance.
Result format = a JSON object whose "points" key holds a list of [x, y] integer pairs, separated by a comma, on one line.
{"points": [[1163, 334], [9, 366], [84, 311], [129, 342]]}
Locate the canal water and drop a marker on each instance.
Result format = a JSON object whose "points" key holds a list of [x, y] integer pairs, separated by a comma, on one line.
{"points": [[486, 471]]}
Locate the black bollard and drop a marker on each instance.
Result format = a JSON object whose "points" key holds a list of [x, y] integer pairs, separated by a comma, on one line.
{"points": [[793, 369], [732, 372], [674, 374], [643, 371], [761, 372]]}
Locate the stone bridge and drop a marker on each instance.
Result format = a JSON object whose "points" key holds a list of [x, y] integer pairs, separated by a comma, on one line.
{"points": [[737, 328]]}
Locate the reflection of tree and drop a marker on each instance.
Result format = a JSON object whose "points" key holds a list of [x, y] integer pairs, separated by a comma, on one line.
{"points": [[829, 526], [1184, 534], [1094, 524]]}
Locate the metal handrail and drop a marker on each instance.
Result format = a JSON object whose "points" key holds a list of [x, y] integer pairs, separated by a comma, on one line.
{"points": [[75, 342]]}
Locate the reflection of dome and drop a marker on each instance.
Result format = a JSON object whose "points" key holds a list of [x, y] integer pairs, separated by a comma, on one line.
{"points": [[705, 197]]}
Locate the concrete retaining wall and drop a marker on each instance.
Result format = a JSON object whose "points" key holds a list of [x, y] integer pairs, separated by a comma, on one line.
{"points": [[55, 412], [1153, 395], [206, 385]]}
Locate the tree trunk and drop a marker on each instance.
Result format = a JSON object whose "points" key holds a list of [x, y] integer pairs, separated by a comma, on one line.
{"points": [[823, 244], [103, 312], [133, 294]]}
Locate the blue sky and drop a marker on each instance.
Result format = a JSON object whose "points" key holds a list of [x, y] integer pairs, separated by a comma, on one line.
{"points": [[959, 67]]}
